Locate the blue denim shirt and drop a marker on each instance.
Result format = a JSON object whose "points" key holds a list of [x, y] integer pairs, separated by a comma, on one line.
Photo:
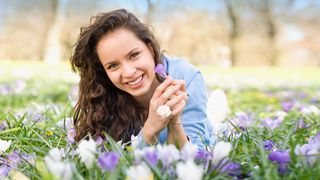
{"points": [[194, 118]]}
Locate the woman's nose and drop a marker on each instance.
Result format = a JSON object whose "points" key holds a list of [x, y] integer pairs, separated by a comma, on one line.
{"points": [[128, 70]]}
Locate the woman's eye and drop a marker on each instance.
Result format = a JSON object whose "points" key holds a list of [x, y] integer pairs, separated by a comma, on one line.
{"points": [[134, 55], [112, 66]]}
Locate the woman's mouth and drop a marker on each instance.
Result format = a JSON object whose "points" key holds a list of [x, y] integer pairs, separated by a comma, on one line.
{"points": [[136, 82]]}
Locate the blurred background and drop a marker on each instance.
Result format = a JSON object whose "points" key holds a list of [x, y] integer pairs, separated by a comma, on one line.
{"points": [[222, 33]]}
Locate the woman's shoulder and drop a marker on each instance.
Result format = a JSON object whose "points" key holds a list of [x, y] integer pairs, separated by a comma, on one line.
{"points": [[179, 68]]}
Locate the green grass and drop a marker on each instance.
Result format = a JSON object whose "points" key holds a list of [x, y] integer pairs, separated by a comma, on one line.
{"points": [[32, 114]]}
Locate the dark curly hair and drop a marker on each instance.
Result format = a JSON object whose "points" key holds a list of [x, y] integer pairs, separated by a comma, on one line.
{"points": [[102, 107]]}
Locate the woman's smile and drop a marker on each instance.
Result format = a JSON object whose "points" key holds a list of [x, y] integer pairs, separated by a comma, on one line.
{"points": [[136, 83]]}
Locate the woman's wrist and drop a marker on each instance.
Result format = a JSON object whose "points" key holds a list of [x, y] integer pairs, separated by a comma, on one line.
{"points": [[175, 123], [148, 136]]}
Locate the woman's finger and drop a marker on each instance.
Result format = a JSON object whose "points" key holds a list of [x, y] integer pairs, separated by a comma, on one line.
{"points": [[162, 87], [172, 102], [178, 108], [170, 91], [182, 83]]}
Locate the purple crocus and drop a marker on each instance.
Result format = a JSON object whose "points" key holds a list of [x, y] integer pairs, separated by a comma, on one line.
{"points": [[151, 157], [160, 70], [233, 169], [5, 89], [310, 150], [4, 171], [99, 140], [287, 106], [301, 124], [272, 123], [108, 161], [71, 134], [268, 144], [14, 159], [282, 158], [315, 139], [3, 125]]}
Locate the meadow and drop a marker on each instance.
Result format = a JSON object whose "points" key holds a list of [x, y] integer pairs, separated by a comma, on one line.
{"points": [[271, 132]]}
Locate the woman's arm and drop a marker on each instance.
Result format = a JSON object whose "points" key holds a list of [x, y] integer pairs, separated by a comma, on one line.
{"points": [[194, 117]]}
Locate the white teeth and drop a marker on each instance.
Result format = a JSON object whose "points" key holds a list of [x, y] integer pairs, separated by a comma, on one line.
{"points": [[132, 83]]}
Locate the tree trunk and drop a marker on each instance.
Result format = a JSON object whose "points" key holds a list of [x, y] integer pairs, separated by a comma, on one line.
{"points": [[271, 33], [53, 48], [234, 32]]}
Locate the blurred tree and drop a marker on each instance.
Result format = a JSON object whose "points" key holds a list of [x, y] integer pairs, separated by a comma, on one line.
{"points": [[53, 47], [234, 29]]}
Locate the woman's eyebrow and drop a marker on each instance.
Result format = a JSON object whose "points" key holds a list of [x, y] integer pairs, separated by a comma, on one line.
{"points": [[131, 52], [128, 54]]}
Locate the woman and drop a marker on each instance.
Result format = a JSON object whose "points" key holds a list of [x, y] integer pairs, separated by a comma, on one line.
{"points": [[120, 93]]}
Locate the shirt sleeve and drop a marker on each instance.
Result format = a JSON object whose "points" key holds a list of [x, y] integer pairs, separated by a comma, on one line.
{"points": [[194, 117]]}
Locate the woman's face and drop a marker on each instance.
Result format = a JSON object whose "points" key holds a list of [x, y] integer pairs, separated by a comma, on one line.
{"points": [[128, 62]]}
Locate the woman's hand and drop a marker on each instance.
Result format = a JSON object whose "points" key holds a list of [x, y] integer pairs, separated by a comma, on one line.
{"points": [[177, 102], [171, 93], [155, 123]]}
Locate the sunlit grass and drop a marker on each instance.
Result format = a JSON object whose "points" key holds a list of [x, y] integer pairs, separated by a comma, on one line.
{"points": [[32, 107]]}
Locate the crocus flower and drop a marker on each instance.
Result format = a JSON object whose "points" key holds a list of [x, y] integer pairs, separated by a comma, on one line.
{"points": [[54, 163], [309, 151], [310, 110], [66, 123], [19, 86], [108, 160], [168, 154], [189, 171], [217, 108], [4, 171], [268, 144], [14, 158], [233, 169], [136, 141], [242, 120], [220, 151], [4, 145], [86, 150], [5, 89], [287, 105], [141, 171], [71, 134], [189, 151], [272, 123], [3, 125], [282, 158], [160, 70], [151, 156], [301, 124], [99, 140], [315, 139], [203, 156]]}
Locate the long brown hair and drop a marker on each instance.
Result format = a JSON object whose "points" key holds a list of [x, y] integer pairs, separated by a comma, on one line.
{"points": [[101, 106]]}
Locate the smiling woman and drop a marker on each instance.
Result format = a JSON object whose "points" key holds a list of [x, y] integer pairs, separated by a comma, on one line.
{"points": [[120, 93]]}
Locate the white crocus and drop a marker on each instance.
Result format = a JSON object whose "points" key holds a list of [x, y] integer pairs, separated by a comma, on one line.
{"points": [[220, 151], [189, 151], [139, 172], [168, 154], [86, 150], [189, 171], [217, 108], [54, 163], [310, 110], [4, 145], [135, 141]]}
